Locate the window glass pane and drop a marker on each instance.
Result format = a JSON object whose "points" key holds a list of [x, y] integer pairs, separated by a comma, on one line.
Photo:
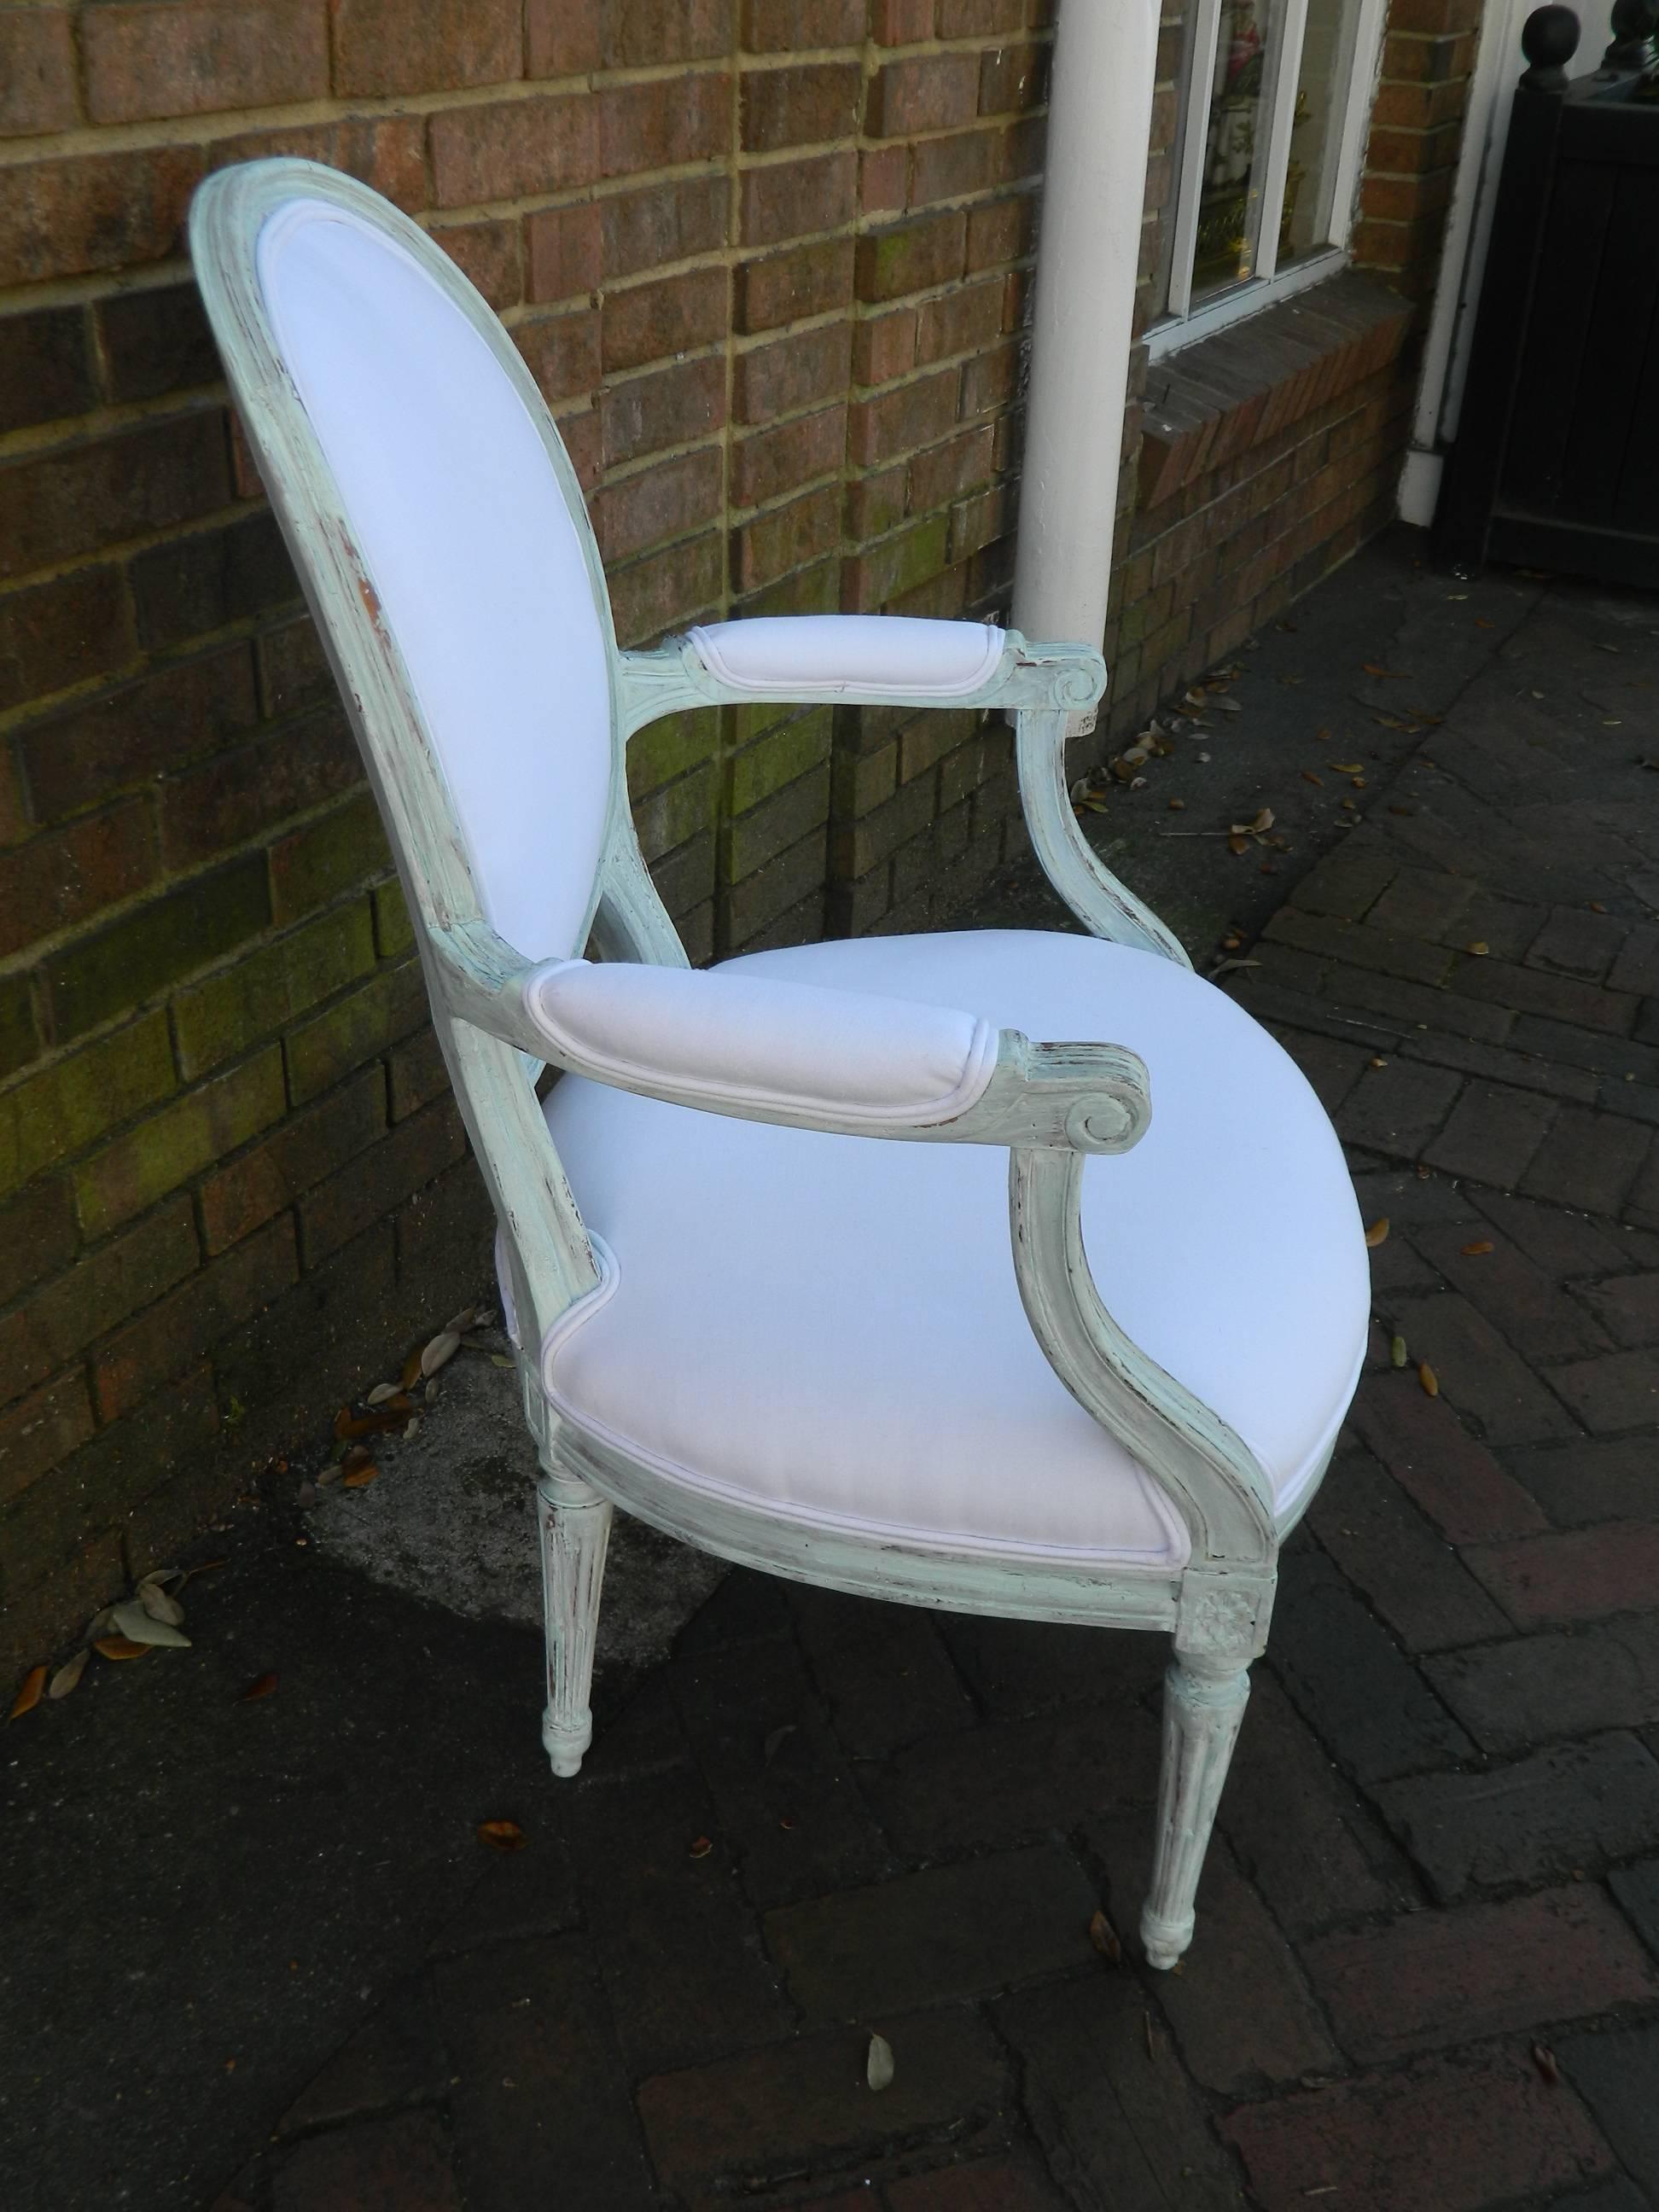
{"points": [[1236, 146], [1310, 221]]}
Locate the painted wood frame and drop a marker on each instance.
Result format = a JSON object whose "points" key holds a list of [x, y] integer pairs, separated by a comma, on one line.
{"points": [[1051, 1105]]}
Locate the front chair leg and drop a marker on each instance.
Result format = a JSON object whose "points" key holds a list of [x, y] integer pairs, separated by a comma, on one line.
{"points": [[576, 1530], [1204, 1699]]}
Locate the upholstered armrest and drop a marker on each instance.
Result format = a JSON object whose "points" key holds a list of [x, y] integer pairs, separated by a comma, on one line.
{"points": [[893, 660], [762, 1049]]}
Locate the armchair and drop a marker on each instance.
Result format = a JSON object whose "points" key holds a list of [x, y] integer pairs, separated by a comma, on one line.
{"points": [[1087, 1383]]}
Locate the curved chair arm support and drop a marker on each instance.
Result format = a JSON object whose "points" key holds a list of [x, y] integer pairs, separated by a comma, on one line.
{"points": [[1104, 906], [1209, 1473], [677, 675], [1091, 1098]]}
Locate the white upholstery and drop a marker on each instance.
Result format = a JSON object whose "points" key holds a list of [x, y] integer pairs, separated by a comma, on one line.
{"points": [[831, 1324], [478, 567], [764, 1042], [803, 656]]}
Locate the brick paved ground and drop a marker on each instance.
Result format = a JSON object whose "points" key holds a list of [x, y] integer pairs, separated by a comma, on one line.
{"points": [[1426, 1976]]}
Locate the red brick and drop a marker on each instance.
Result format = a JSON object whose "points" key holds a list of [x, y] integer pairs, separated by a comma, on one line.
{"points": [[256, 1185], [88, 211], [776, 461], [993, 2184], [901, 419], [191, 57], [101, 1290], [911, 256], [425, 45], [989, 380], [37, 71], [1544, 1581], [787, 538], [792, 372], [42, 1429], [799, 107], [380, 1179], [649, 595], [233, 797], [174, 1334], [490, 255], [796, 199], [1014, 77], [559, 39], [960, 322], [58, 633], [386, 151], [663, 223], [977, 19], [671, 406], [91, 753], [927, 92], [75, 499], [512, 148], [1456, 2135], [1620, 1391], [64, 877], [900, 22], [563, 246], [650, 322], [788, 286], [783, 27], [883, 171], [951, 169], [668, 499], [1479, 1970], [642, 32], [46, 367], [562, 353], [658, 124]]}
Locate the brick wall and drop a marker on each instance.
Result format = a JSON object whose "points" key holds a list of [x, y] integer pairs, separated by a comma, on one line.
{"points": [[769, 261]]}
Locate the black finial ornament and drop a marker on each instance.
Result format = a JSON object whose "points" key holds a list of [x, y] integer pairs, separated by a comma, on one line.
{"points": [[1549, 40], [1634, 48]]}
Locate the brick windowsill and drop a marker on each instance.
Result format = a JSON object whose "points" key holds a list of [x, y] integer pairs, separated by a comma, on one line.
{"points": [[1211, 402]]}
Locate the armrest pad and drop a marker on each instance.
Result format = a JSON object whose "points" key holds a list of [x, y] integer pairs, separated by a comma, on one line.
{"points": [[798, 656], [866, 1060]]}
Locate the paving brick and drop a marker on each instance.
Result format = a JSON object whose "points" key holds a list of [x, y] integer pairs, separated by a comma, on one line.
{"points": [[1492, 1135], [1121, 2126], [1351, 1680], [1603, 1479], [1018, 1667], [961, 1931], [542, 2112], [1614, 2074], [1398, 1107], [1242, 2016], [1478, 1372], [1369, 1526], [679, 1951], [400, 2165], [768, 2112], [1456, 2134], [1511, 1696], [1636, 1889], [1563, 1245], [1628, 1308], [832, 1839], [881, 1670], [1456, 1481], [1583, 1574], [1012, 1779], [1569, 1808], [1476, 1971], [395, 2058], [1617, 1391], [992, 2184], [1589, 1160], [1552, 997], [1519, 1298]]}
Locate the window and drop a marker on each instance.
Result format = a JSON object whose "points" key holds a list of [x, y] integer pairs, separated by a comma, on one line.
{"points": [[1273, 107]]}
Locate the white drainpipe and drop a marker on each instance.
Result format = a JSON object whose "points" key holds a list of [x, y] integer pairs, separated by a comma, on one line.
{"points": [[1100, 109]]}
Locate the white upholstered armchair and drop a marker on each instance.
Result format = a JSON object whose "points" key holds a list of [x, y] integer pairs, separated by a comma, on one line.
{"points": [[1077, 1348]]}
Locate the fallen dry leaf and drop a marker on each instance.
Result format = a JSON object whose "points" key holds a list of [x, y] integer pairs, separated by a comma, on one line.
{"points": [[1256, 828], [1104, 1937], [700, 1847], [361, 1477], [119, 1647], [381, 1392], [1397, 1352], [159, 1605], [1428, 1378], [1348, 768], [1378, 1232], [1479, 948], [502, 1835], [410, 1373], [1476, 1251], [139, 1626], [1376, 668], [459, 1323], [262, 1686], [879, 2062], [1237, 842], [28, 1694], [68, 1674], [1308, 776], [442, 1350], [1544, 2059]]}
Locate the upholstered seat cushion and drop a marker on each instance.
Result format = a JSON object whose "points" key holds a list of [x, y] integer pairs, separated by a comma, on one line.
{"points": [[831, 1325], [820, 656]]}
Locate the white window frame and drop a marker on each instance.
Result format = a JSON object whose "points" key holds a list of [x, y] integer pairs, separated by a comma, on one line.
{"points": [[1181, 324]]}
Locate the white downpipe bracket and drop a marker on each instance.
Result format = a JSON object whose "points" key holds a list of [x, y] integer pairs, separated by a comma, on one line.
{"points": [[1100, 111]]}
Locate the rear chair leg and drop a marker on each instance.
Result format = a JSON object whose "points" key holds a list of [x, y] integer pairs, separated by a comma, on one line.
{"points": [[575, 1530], [1204, 1699]]}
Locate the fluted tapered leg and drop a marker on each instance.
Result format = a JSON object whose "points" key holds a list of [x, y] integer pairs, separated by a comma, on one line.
{"points": [[576, 1530], [1204, 1701]]}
